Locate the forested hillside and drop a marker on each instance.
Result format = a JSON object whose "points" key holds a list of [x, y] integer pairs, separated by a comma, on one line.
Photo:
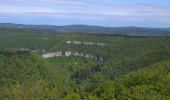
{"points": [[24, 75], [151, 83], [74, 66]]}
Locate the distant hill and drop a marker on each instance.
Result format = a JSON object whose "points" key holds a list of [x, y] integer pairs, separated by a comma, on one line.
{"points": [[134, 31]]}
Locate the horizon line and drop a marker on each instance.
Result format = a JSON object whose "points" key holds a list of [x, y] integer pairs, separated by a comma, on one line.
{"points": [[132, 26]]}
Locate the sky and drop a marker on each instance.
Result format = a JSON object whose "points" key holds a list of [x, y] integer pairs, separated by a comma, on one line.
{"points": [[110, 13]]}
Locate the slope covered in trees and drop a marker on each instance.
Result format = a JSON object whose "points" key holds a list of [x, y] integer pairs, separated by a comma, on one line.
{"points": [[132, 67], [151, 83], [26, 76]]}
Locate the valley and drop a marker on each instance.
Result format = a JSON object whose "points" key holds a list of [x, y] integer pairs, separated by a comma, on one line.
{"points": [[81, 66]]}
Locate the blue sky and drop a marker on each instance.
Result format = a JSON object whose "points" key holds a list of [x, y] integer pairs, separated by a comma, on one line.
{"points": [[112, 13]]}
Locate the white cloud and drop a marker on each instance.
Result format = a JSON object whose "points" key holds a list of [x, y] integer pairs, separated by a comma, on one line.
{"points": [[22, 9], [67, 7], [45, 1]]}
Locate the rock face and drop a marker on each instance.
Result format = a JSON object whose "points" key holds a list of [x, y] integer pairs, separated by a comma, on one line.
{"points": [[68, 42], [49, 55], [70, 53], [85, 43]]}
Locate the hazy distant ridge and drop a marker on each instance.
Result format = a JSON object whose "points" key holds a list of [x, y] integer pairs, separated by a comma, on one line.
{"points": [[135, 31]]}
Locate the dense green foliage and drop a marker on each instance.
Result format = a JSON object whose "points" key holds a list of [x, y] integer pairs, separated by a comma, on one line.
{"points": [[135, 68], [28, 73], [150, 83]]}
